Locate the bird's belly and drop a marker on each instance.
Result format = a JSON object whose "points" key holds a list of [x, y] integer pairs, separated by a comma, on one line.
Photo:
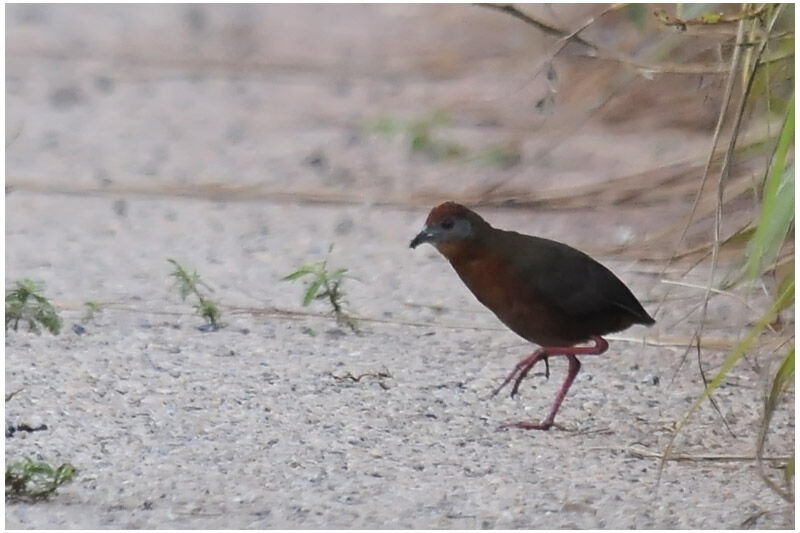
{"points": [[537, 323], [526, 315]]}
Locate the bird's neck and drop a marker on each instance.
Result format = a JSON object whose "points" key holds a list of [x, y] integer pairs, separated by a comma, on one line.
{"points": [[461, 251]]}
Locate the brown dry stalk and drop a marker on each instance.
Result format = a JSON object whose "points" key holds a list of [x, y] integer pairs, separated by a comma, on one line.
{"points": [[704, 457]]}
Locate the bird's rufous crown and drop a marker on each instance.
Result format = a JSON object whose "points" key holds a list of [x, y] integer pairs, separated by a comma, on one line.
{"points": [[447, 209]]}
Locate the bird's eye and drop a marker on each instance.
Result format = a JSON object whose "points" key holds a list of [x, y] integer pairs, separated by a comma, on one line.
{"points": [[447, 223]]}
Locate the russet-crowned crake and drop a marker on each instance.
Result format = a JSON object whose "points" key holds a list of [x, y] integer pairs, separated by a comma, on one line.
{"points": [[547, 292]]}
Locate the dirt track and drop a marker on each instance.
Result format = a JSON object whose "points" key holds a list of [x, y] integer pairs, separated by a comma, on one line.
{"points": [[203, 134]]}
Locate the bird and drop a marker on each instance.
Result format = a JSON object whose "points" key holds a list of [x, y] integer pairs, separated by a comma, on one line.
{"points": [[545, 291]]}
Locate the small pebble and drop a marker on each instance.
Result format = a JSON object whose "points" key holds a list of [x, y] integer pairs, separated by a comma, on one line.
{"points": [[650, 379]]}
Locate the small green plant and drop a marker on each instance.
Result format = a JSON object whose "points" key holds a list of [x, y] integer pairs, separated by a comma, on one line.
{"points": [[421, 135], [422, 139], [189, 283], [25, 303], [92, 309], [31, 481], [502, 156], [325, 284]]}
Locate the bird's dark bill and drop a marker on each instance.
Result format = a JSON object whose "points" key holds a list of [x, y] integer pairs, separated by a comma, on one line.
{"points": [[422, 237]]}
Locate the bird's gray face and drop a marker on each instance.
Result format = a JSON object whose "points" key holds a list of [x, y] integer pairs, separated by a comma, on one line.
{"points": [[447, 229]]}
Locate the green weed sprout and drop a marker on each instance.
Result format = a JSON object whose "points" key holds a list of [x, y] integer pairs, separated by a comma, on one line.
{"points": [[325, 284], [421, 135], [25, 303], [92, 309], [31, 481], [189, 283]]}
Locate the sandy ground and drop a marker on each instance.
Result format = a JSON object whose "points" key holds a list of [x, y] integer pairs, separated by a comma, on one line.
{"points": [[257, 425]]}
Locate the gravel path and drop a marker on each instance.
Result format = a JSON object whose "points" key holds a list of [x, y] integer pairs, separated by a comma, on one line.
{"points": [[257, 425]]}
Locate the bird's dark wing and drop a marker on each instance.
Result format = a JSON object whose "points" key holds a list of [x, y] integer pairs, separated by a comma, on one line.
{"points": [[571, 281]]}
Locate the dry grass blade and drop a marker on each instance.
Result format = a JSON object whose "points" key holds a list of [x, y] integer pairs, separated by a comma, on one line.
{"points": [[726, 99], [536, 23], [600, 52], [730, 294], [784, 299], [703, 457]]}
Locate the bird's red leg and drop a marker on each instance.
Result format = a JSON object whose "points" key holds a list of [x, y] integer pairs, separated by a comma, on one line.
{"points": [[600, 346], [547, 423], [525, 366]]}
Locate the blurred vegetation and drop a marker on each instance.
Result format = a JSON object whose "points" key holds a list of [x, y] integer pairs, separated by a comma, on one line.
{"points": [[422, 135], [25, 303], [755, 97], [426, 136], [743, 57], [92, 309]]}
